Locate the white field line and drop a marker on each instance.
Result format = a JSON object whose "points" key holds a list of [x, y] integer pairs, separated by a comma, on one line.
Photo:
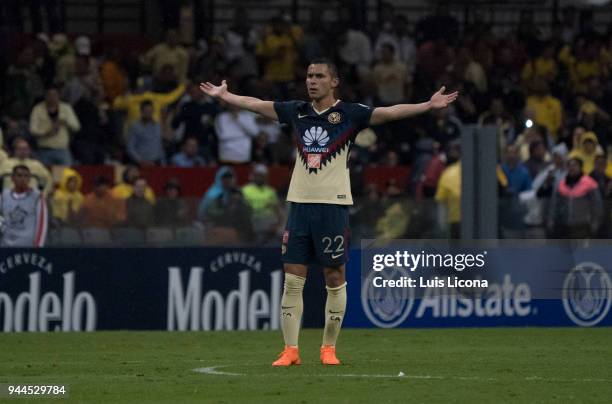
{"points": [[212, 370]]}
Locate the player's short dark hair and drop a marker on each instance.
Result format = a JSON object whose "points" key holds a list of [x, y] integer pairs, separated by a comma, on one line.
{"points": [[20, 167], [333, 69]]}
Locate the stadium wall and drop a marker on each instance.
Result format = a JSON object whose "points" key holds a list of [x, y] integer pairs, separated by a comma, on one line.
{"points": [[180, 289]]}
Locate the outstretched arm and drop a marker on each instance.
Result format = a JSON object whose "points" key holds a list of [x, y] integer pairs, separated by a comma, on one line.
{"points": [[265, 108], [400, 111]]}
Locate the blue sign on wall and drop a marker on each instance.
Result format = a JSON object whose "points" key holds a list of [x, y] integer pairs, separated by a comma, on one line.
{"points": [[554, 284], [147, 289]]}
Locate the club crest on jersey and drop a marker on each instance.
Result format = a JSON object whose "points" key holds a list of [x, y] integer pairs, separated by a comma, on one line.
{"points": [[314, 161], [334, 117], [315, 139]]}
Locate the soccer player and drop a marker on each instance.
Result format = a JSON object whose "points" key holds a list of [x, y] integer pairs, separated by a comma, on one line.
{"points": [[23, 212], [319, 192]]}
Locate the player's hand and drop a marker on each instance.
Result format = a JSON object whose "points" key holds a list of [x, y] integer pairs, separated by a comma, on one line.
{"points": [[212, 90], [441, 100]]}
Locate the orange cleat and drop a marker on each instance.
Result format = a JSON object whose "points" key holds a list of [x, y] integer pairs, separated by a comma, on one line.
{"points": [[289, 356], [328, 355]]}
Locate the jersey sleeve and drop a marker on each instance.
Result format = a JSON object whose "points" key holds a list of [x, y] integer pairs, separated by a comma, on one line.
{"points": [[285, 111], [360, 115]]}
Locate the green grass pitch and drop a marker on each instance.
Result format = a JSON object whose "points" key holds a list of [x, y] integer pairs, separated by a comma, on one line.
{"points": [[442, 365]]}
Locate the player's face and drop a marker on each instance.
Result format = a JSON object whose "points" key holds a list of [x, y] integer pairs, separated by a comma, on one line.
{"points": [[319, 81]]}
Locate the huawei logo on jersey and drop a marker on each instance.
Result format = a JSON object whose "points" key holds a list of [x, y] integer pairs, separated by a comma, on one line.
{"points": [[317, 151], [315, 140]]}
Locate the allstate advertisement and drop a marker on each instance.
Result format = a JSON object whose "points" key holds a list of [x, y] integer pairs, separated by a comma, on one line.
{"points": [[410, 283], [434, 283], [146, 289]]}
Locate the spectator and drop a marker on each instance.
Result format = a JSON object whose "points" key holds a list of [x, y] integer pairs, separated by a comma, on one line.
{"points": [[547, 108], [85, 83], [23, 211], [592, 117], [391, 159], [188, 157], [171, 210], [442, 126], [433, 59], [144, 143], [404, 49], [604, 182], [448, 193], [240, 37], [224, 181], [24, 85], [140, 212], [126, 188], [587, 66], [587, 150], [278, 50], [15, 128], [543, 67], [518, 176], [45, 65], [576, 206], [427, 184], [468, 69], [395, 219], [67, 199], [113, 76], [168, 53], [131, 103], [51, 122], [535, 133], [548, 180], [235, 130], [63, 53], [265, 208], [498, 115], [544, 184], [211, 61], [537, 158], [390, 77], [195, 118], [96, 139], [40, 177], [355, 50], [100, 208], [229, 219], [262, 150]]}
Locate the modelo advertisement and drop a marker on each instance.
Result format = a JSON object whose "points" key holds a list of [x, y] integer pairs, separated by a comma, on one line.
{"points": [[409, 285], [146, 289], [433, 283]]}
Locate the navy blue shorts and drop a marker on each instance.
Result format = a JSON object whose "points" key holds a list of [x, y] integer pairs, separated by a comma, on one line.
{"points": [[316, 233]]}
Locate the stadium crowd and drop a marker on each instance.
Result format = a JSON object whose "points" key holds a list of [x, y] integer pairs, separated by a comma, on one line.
{"points": [[548, 90]]}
